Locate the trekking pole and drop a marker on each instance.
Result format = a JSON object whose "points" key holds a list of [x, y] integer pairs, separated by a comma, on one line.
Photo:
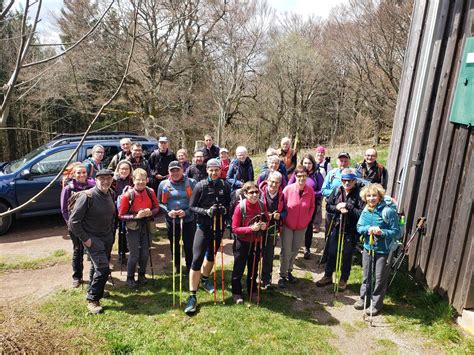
{"points": [[340, 247], [172, 261], [368, 284], [399, 260], [215, 254], [150, 241], [326, 236], [253, 270], [181, 262], [260, 267], [275, 232], [222, 260]]}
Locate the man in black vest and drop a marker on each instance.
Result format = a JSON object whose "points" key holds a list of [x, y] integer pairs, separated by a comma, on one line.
{"points": [[159, 161]]}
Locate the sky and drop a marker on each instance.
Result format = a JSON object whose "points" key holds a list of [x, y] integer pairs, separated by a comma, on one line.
{"points": [[319, 8]]}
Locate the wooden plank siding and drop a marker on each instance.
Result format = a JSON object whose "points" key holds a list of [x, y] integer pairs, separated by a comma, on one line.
{"points": [[440, 179]]}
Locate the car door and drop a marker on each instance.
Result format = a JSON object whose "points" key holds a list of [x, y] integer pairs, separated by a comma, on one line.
{"points": [[40, 174]]}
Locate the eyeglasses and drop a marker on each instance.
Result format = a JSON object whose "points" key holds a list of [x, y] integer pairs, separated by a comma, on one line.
{"points": [[252, 192]]}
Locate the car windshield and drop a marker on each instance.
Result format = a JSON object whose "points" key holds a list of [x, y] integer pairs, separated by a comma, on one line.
{"points": [[17, 164]]}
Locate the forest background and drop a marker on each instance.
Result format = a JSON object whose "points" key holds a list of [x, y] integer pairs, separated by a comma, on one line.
{"points": [[235, 69]]}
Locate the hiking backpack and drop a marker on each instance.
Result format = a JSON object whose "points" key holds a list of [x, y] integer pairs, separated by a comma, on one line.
{"points": [[167, 186], [392, 205], [131, 196]]}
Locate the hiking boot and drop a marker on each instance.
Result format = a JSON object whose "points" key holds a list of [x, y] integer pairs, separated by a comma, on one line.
{"points": [[76, 283], [359, 305], [132, 283], [190, 305], [142, 280], [307, 254], [94, 307], [266, 285], [375, 312], [238, 299], [282, 282], [106, 294], [326, 280], [208, 286], [342, 285], [292, 279]]}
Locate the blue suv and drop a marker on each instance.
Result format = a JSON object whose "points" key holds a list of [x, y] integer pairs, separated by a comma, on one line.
{"points": [[23, 178]]}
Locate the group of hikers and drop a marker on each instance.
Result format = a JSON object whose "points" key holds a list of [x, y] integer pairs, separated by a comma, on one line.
{"points": [[203, 198]]}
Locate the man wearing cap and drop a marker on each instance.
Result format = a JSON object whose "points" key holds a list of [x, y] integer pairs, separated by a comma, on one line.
{"points": [[197, 170], [159, 161], [345, 205], [210, 203], [92, 221], [371, 171], [333, 178], [210, 150], [174, 194]]}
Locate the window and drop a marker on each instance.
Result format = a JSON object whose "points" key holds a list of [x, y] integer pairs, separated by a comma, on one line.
{"points": [[51, 165], [110, 151]]}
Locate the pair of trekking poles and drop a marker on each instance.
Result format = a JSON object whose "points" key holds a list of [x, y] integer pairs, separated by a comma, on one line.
{"points": [[221, 227], [180, 262]]}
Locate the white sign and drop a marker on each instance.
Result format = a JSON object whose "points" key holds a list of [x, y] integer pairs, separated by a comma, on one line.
{"points": [[470, 58]]}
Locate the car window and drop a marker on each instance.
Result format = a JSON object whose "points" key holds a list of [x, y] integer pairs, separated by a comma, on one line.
{"points": [[52, 164], [110, 151], [17, 164]]}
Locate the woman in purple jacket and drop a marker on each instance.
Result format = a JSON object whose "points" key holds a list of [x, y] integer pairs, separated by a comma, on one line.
{"points": [[299, 199], [79, 182], [315, 182]]}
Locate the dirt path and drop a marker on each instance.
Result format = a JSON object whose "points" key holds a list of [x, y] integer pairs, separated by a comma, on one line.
{"points": [[352, 334]]}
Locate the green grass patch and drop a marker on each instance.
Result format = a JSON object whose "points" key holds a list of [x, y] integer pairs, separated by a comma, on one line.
{"points": [[386, 346], [16, 262], [145, 322], [348, 329]]}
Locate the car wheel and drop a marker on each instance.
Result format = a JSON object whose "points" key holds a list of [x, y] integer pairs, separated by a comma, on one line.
{"points": [[5, 222]]}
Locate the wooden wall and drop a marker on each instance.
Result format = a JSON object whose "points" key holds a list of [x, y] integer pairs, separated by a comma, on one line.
{"points": [[440, 176]]}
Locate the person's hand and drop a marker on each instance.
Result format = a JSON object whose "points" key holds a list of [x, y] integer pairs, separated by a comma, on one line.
{"points": [[211, 212], [222, 210], [276, 216], [142, 214], [375, 231], [172, 213], [181, 213], [88, 243], [344, 210], [340, 206], [255, 227], [263, 226]]}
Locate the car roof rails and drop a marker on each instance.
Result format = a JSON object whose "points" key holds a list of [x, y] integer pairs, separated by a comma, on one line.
{"points": [[75, 137]]}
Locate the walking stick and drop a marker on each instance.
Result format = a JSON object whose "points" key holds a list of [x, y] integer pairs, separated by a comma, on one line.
{"points": [[215, 254], [368, 286], [340, 248], [260, 267], [222, 261], [399, 260], [181, 262], [172, 261], [253, 269], [149, 253]]}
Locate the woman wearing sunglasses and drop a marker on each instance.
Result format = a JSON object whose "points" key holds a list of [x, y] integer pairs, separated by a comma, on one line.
{"points": [[249, 219]]}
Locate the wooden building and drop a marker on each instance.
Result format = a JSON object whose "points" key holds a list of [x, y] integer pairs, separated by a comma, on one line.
{"points": [[431, 161]]}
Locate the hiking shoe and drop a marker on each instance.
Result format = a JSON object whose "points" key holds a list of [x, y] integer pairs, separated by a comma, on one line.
{"points": [[238, 299], [142, 280], [76, 283], [324, 281], [342, 285], [282, 282], [316, 229], [266, 285], [292, 279], [375, 312], [359, 305], [307, 254], [132, 283], [94, 307], [208, 286], [190, 305]]}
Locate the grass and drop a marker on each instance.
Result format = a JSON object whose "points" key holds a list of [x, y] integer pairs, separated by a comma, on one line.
{"points": [[144, 321], [8, 263]]}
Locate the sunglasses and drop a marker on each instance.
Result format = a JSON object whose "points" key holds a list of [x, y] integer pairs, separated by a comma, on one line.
{"points": [[347, 181]]}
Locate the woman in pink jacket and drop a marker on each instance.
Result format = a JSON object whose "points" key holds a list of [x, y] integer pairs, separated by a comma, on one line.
{"points": [[299, 200]]}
